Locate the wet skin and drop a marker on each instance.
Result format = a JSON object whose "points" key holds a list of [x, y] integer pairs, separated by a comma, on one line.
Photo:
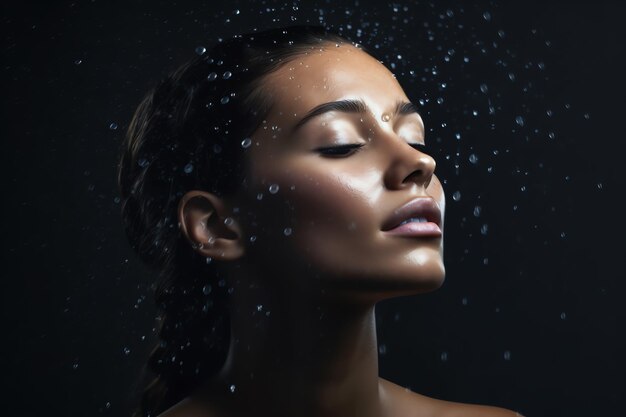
{"points": [[303, 337], [337, 205]]}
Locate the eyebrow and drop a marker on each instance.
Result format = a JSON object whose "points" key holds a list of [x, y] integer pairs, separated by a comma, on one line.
{"points": [[353, 106]]}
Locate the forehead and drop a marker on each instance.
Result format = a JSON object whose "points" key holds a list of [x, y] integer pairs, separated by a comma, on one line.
{"points": [[327, 74]]}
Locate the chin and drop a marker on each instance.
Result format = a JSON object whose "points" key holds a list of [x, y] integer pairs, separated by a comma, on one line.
{"points": [[419, 279], [373, 286], [408, 280]]}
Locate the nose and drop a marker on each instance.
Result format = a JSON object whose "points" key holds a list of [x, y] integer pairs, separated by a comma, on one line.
{"points": [[408, 167]]}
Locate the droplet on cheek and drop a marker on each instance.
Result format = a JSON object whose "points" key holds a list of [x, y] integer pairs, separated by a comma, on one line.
{"points": [[385, 117]]}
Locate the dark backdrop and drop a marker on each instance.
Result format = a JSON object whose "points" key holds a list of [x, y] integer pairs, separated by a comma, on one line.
{"points": [[523, 104]]}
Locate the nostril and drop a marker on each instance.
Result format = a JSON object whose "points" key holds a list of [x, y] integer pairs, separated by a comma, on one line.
{"points": [[414, 176]]}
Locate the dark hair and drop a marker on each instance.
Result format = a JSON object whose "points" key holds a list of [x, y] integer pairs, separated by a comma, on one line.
{"points": [[190, 132]]}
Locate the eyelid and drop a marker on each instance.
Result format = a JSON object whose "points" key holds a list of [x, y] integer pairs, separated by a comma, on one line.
{"points": [[336, 151]]}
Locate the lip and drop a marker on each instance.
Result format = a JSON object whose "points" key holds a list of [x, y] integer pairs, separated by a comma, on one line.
{"points": [[424, 207]]}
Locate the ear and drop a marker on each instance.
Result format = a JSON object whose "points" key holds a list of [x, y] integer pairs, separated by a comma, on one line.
{"points": [[210, 229]]}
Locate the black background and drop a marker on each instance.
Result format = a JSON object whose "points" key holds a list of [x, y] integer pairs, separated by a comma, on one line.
{"points": [[530, 315]]}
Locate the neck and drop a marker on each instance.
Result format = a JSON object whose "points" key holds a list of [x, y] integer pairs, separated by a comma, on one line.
{"points": [[295, 352]]}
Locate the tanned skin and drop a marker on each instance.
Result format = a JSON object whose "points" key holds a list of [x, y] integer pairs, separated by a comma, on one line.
{"points": [[303, 333]]}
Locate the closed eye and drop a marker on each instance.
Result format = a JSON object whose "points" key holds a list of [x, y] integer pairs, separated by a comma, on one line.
{"points": [[341, 150]]}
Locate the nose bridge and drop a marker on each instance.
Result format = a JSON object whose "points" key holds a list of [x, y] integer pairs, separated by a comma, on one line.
{"points": [[406, 165]]}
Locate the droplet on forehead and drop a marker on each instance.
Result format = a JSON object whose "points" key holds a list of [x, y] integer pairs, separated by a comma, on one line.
{"points": [[385, 117]]}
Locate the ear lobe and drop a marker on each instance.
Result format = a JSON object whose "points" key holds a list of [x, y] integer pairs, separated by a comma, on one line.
{"points": [[208, 227]]}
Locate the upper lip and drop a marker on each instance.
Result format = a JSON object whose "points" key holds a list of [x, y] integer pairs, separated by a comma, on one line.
{"points": [[418, 207]]}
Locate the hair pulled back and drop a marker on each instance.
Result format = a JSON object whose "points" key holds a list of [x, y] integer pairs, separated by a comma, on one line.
{"points": [[190, 132]]}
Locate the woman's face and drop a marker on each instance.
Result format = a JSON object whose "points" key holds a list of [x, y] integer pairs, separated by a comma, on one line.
{"points": [[342, 176]]}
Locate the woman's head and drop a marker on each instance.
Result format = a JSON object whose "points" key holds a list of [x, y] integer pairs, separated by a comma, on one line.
{"points": [[220, 169], [340, 144]]}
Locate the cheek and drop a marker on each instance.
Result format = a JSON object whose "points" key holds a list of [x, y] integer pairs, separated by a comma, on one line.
{"points": [[315, 190], [332, 213], [341, 200]]}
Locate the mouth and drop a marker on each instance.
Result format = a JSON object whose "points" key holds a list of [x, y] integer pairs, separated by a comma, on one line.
{"points": [[420, 217]]}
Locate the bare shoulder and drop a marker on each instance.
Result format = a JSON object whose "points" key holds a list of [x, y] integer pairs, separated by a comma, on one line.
{"points": [[409, 403]]}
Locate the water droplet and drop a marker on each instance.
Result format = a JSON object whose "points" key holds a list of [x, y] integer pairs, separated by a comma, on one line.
{"points": [[485, 261], [484, 88], [232, 388], [78, 62], [108, 405], [211, 240], [143, 162], [212, 76], [473, 158], [563, 316], [225, 100], [113, 126], [274, 188], [259, 307], [259, 196], [188, 168], [385, 117], [227, 75], [252, 239], [457, 136], [456, 196], [287, 231], [487, 16], [599, 185], [444, 356], [464, 301], [511, 76], [483, 229], [75, 366], [551, 135], [382, 349], [228, 221], [563, 234], [200, 50], [209, 259], [206, 290], [477, 211], [507, 355], [519, 120], [246, 143], [126, 351]]}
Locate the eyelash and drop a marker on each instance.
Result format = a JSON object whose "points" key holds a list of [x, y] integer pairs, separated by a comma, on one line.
{"points": [[347, 150]]}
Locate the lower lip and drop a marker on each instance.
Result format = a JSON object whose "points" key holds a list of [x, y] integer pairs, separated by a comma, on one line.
{"points": [[428, 229]]}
